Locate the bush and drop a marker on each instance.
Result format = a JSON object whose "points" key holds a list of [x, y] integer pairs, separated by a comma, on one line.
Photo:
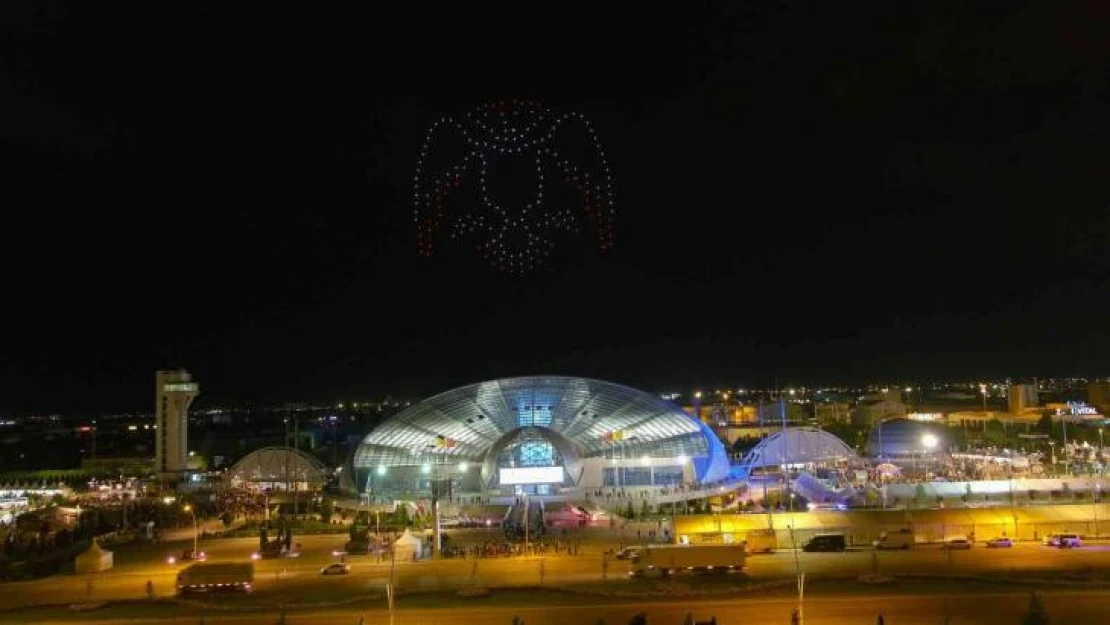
{"points": [[1036, 614]]}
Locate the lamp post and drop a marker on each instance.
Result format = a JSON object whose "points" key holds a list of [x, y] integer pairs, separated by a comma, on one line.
{"points": [[1098, 491], [928, 443], [526, 546], [196, 533], [1052, 446], [797, 563]]}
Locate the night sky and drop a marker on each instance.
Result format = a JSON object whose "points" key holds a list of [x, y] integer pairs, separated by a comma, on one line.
{"points": [[804, 196]]}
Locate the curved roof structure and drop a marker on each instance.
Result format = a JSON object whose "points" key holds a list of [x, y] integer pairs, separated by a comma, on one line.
{"points": [[278, 465], [798, 446], [582, 417]]}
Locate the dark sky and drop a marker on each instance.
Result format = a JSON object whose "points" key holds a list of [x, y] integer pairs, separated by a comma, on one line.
{"points": [[803, 195]]}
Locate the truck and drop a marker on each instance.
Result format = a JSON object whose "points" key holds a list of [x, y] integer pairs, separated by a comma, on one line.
{"points": [[665, 560], [216, 577], [762, 541], [902, 539]]}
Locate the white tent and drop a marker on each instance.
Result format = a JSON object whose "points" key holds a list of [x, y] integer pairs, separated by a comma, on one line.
{"points": [[93, 560], [407, 547]]}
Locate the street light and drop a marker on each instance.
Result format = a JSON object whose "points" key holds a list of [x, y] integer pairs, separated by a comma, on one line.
{"points": [[196, 533], [928, 443], [526, 545]]}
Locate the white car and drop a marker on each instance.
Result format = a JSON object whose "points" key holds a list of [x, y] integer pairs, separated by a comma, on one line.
{"points": [[957, 543], [336, 569], [1002, 541]]}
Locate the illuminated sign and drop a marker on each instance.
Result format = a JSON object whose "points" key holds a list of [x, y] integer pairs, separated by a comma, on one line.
{"points": [[532, 475], [188, 387], [1079, 408], [926, 416]]}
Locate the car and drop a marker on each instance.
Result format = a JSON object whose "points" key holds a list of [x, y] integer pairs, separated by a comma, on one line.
{"points": [[336, 569], [1001, 541], [628, 553], [1063, 541], [957, 543], [189, 554]]}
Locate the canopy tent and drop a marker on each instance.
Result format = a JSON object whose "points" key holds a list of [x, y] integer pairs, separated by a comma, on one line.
{"points": [[407, 547], [888, 469], [93, 560]]}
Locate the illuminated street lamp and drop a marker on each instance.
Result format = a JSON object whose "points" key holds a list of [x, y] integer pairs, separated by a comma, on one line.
{"points": [[196, 533], [929, 442]]}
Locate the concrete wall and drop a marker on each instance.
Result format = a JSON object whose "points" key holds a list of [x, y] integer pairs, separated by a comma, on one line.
{"points": [[863, 526], [1021, 487]]}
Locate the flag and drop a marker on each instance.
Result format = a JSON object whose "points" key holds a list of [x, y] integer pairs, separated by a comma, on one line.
{"points": [[443, 441]]}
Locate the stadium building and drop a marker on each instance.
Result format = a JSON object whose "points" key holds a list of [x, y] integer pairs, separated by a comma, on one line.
{"points": [[538, 435]]}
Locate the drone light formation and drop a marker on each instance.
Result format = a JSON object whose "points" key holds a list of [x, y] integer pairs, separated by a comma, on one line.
{"points": [[514, 237]]}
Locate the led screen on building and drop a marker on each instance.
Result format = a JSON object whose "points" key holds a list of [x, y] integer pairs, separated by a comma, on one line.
{"points": [[532, 475]]}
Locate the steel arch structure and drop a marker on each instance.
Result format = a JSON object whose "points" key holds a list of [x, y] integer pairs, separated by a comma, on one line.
{"points": [[583, 418]]}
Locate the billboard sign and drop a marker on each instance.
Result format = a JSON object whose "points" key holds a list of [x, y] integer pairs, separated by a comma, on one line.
{"points": [[532, 475]]}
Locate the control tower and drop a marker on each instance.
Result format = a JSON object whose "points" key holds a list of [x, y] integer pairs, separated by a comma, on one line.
{"points": [[173, 393]]}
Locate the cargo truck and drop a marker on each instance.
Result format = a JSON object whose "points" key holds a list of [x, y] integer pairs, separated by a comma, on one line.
{"points": [[902, 539], [216, 577], [762, 541], [664, 560]]}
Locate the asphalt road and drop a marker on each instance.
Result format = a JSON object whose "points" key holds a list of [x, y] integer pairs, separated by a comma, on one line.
{"points": [[299, 577], [845, 609]]}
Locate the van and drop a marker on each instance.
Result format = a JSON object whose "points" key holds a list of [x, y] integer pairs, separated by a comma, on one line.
{"points": [[902, 539], [826, 542], [1063, 540]]}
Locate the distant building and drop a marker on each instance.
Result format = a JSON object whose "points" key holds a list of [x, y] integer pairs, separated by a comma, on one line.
{"points": [[831, 413], [733, 415], [873, 408], [174, 391], [1098, 395], [1021, 397]]}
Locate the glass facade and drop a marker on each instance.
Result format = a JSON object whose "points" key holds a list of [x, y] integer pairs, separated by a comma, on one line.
{"points": [[537, 421]]}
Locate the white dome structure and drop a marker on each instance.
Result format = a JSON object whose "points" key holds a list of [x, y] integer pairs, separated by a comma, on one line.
{"points": [[795, 446], [278, 468]]}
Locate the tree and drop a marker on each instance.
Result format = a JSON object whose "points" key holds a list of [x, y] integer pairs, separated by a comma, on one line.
{"points": [[629, 513], [644, 512], [327, 510], [1044, 424], [1036, 614]]}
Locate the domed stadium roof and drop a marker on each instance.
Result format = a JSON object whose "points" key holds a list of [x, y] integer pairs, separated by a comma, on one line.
{"points": [[798, 446], [278, 465], [582, 418], [904, 437]]}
